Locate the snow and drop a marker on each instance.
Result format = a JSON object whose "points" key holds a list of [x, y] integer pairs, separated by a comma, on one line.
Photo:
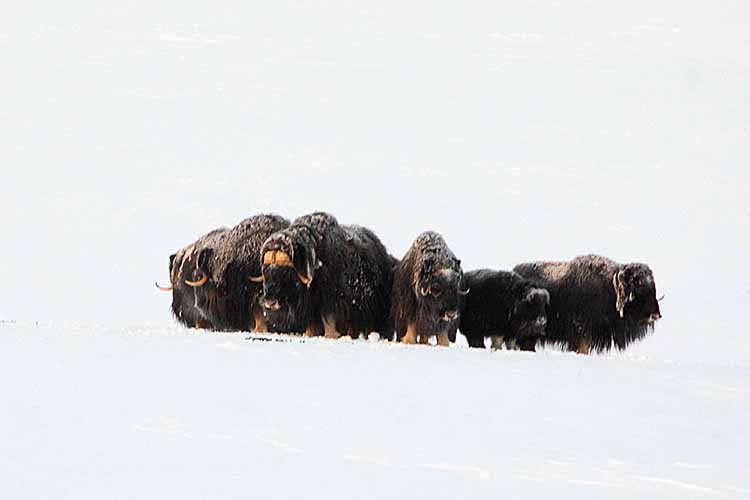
{"points": [[92, 412], [520, 131]]}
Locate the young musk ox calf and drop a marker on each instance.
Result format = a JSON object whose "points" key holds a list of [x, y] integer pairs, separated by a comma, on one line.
{"points": [[320, 277], [596, 302], [225, 294], [504, 306], [183, 273], [428, 292]]}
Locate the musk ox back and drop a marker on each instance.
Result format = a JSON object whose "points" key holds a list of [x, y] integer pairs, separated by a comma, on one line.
{"points": [[183, 272], [595, 302], [504, 306], [226, 294], [428, 292], [321, 277]]}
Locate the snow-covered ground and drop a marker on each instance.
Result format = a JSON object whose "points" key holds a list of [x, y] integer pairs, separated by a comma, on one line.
{"points": [[95, 412], [520, 130]]}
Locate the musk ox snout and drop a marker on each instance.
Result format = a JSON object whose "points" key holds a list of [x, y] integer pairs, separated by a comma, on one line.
{"points": [[272, 304], [451, 315]]}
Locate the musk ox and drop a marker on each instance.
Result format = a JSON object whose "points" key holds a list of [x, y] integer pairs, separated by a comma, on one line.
{"points": [[183, 273], [596, 302], [506, 307], [320, 277], [428, 292], [225, 294]]}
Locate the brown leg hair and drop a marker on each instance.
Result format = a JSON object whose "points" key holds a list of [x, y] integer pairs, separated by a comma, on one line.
{"points": [[411, 335], [443, 340], [260, 322], [329, 326], [584, 347], [497, 342]]}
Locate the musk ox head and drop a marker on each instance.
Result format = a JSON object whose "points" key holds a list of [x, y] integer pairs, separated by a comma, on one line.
{"points": [[439, 286], [289, 264], [529, 312], [636, 293]]}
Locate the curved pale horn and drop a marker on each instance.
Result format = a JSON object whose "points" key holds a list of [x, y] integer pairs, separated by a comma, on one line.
{"points": [[424, 291], [198, 283], [163, 288], [257, 279], [464, 292], [305, 280]]}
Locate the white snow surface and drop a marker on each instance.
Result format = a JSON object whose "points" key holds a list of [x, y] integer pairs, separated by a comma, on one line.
{"points": [[519, 130]]}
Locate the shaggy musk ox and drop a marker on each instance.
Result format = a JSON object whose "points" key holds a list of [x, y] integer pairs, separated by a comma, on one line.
{"points": [[183, 273], [224, 292], [506, 307], [320, 277], [595, 302], [428, 292]]}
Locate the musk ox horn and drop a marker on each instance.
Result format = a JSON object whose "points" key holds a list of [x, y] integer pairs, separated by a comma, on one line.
{"points": [[198, 283], [619, 292], [278, 258], [424, 291], [163, 288], [305, 280], [464, 292], [660, 298], [257, 279]]}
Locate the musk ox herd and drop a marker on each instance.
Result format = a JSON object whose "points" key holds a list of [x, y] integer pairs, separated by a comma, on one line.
{"points": [[316, 277]]}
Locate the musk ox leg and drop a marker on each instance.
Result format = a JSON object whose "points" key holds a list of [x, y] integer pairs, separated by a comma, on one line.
{"points": [[424, 339], [443, 340], [527, 344], [314, 328], [477, 342], [329, 327], [260, 322], [584, 347], [310, 330], [511, 344], [411, 335], [497, 342]]}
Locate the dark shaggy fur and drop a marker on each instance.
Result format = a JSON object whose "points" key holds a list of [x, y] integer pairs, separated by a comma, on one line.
{"points": [[320, 276], [596, 302], [505, 306], [182, 266], [428, 292], [229, 300]]}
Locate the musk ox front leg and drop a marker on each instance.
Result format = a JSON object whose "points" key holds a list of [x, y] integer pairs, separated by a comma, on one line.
{"points": [[411, 334], [329, 326], [527, 344], [443, 340], [314, 329], [584, 346], [497, 342], [260, 321]]}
